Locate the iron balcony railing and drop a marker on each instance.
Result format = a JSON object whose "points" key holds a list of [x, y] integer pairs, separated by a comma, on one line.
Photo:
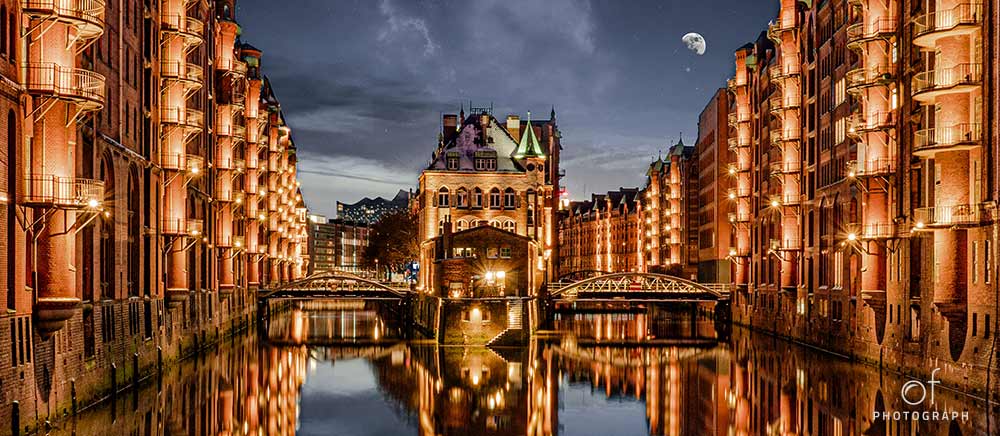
{"points": [[82, 86], [191, 118], [959, 214], [786, 167], [861, 123], [739, 217], [877, 230], [182, 226], [870, 76], [47, 190], [738, 192], [942, 78], [182, 71], [938, 138], [786, 66], [964, 14], [871, 167], [786, 244], [86, 15], [190, 27], [878, 28]]}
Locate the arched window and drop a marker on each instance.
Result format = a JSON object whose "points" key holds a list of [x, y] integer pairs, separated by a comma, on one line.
{"points": [[495, 223], [3, 30], [463, 198], [531, 216], [477, 197], [441, 226], [461, 225], [509, 199], [133, 233], [510, 226], [443, 197], [494, 198], [12, 173], [11, 36], [107, 258]]}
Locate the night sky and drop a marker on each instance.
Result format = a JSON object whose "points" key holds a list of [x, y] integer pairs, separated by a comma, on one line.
{"points": [[363, 83]]}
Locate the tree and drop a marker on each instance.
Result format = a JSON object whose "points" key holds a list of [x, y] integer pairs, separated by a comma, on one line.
{"points": [[393, 241]]}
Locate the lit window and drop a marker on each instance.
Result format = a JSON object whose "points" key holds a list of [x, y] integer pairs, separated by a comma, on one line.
{"points": [[510, 226], [492, 252], [443, 197], [477, 197], [505, 252], [463, 198], [495, 198], [509, 199]]}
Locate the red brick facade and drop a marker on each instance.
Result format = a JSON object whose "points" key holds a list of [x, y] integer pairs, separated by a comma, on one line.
{"points": [[139, 215]]}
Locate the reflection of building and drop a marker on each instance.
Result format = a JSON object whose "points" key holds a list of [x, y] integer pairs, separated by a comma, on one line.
{"points": [[866, 186], [149, 186], [336, 245], [370, 210], [601, 234], [490, 173]]}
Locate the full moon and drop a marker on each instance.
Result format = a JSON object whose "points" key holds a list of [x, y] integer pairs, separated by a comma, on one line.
{"points": [[695, 42]]}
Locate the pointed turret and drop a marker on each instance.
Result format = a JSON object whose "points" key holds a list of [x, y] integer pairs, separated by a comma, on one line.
{"points": [[529, 146]]}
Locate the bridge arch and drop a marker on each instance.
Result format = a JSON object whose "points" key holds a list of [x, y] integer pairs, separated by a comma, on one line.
{"points": [[335, 284], [639, 285], [575, 276]]}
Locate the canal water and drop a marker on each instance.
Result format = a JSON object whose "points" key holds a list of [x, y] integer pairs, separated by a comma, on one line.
{"points": [[338, 370]]}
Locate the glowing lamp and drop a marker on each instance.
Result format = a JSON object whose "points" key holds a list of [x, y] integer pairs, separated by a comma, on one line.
{"points": [[852, 236], [93, 203], [732, 195], [501, 275], [732, 252], [775, 203], [920, 224]]}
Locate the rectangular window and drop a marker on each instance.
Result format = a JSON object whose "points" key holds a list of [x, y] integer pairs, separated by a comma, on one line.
{"points": [[840, 91], [492, 252], [975, 323], [840, 131], [988, 259], [975, 262], [986, 325], [505, 252]]}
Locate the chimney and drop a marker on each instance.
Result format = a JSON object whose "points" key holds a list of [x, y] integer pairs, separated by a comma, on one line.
{"points": [[449, 125], [514, 127]]}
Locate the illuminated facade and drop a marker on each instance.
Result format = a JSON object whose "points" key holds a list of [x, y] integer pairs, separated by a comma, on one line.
{"points": [[150, 187], [715, 184], [487, 172], [336, 245], [601, 234], [866, 182]]}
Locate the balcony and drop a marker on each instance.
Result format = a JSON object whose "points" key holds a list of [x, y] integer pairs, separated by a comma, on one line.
{"points": [[182, 227], [787, 66], [739, 217], [191, 75], [239, 165], [783, 167], [734, 193], [877, 231], [786, 244], [953, 138], [859, 124], [779, 27], [86, 16], [955, 215], [871, 167], [962, 19], [51, 191], [860, 78], [234, 66], [191, 29], [782, 102], [83, 87], [860, 33], [785, 200], [959, 78], [189, 118]]}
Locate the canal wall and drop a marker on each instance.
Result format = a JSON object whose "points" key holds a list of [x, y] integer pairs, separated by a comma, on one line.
{"points": [[85, 362], [911, 343]]}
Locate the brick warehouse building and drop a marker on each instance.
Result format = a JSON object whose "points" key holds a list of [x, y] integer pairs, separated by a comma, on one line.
{"points": [[601, 234], [150, 187], [487, 172], [865, 220]]}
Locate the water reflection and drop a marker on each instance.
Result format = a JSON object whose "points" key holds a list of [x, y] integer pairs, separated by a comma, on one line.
{"points": [[354, 379]]}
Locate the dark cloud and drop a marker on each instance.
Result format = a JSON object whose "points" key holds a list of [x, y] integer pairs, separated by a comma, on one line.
{"points": [[363, 82]]}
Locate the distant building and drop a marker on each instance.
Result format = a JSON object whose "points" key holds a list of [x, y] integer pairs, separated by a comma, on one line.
{"points": [[370, 210], [336, 245], [601, 234], [715, 181]]}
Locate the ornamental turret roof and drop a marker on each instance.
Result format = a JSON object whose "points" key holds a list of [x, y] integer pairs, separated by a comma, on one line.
{"points": [[529, 146]]}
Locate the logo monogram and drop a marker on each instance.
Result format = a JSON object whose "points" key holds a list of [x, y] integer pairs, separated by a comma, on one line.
{"points": [[912, 388]]}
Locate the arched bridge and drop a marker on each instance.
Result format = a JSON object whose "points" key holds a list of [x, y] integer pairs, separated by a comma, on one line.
{"points": [[636, 286], [335, 284], [575, 276]]}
